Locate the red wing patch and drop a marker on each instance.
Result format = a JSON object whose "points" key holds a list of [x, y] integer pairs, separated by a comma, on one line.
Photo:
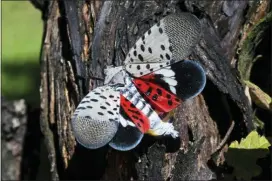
{"points": [[160, 99], [148, 77], [136, 115]]}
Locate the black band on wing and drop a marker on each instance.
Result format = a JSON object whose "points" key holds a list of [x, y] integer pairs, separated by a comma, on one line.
{"points": [[126, 138], [191, 78]]}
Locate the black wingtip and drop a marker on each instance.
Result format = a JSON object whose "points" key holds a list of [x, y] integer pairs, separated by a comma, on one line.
{"points": [[126, 138], [191, 79]]}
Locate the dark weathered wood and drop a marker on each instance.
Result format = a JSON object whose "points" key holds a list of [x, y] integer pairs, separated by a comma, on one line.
{"points": [[14, 128], [20, 140], [94, 34]]}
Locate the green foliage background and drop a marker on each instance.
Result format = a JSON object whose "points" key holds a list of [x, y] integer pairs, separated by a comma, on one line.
{"points": [[22, 28]]}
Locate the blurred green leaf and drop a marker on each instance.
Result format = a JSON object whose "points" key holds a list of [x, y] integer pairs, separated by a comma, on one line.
{"points": [[257, 122], [243, 156], [259, 97], [252, 141], [22, 28]]}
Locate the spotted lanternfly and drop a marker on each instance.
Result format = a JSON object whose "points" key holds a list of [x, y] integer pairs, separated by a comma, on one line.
{"points": [[154, 80]]}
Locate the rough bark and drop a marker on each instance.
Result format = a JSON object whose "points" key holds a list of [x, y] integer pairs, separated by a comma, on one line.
{"points": [[14, 127], [81, 37], [20, 140]]}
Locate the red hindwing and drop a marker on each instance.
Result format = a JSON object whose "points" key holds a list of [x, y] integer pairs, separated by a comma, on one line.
{"points": [[136, 115], [160, 99]]}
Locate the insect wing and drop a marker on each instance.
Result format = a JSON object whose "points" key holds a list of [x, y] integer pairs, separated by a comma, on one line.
{"points": [[160, 99], [136, 115], [126, 138], [189, 79], [166, 88], [96, 119], [167, 42]]}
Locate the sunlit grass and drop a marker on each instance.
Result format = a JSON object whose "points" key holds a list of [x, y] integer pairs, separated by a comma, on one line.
{"points": [[21, 42]]}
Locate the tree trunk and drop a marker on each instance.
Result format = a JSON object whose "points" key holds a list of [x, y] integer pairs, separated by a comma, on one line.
{"points": [[81, 37], [14, 128]]}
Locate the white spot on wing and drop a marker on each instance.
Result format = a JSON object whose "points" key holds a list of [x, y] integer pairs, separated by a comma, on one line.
{"points": [[170, 81], [165, 72], [172, 89], [123, 121]]}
